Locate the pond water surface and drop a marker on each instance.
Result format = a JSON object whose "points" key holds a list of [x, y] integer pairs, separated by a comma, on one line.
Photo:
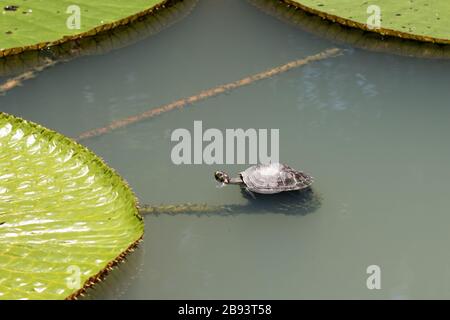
{"points": [[373, 129]]}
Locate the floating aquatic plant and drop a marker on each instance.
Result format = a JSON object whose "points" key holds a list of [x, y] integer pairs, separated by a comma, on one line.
{"points": [[31, 25], [100, 43], [422, 20], [355, 37], [65, 217]]}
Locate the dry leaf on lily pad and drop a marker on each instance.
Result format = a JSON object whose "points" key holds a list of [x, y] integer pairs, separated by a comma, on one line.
{"points": [[65, 216]]}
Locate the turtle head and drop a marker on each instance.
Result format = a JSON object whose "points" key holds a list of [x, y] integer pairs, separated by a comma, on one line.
{"points": [[222, 177]]}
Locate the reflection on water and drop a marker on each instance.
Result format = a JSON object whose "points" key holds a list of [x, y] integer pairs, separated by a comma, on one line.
{"points": [[371, 128], [296, 203]]}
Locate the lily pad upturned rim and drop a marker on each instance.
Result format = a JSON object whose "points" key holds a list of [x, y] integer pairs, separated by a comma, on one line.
{"points": [[101, 43], [91, 281], [103, 273], [92, 32], [347, 36], [355, 24]]}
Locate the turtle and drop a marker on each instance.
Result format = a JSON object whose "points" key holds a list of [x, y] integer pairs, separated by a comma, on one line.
{"points": [[268, 178]]}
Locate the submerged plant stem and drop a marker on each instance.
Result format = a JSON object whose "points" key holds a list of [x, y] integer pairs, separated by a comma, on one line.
{"points": [[181, 103], [296, 204], [18, 80], [181, 209]]}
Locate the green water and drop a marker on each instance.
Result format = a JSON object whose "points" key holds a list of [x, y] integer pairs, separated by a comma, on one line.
{"points": [[371, 128]]}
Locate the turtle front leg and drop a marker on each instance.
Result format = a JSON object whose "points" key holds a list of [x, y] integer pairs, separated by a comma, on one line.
{"points": [[250, 193]]}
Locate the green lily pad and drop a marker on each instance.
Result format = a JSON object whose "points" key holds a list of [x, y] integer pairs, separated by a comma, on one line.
{"points": [[101, 43], [355, 37], [30, 25], [424, 20], [65, 217]]}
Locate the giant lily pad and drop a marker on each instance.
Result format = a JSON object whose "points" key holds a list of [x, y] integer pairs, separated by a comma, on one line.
{"points": [[29, 25], [424, 20], [355, 37], [65, 216], [101, 43]]}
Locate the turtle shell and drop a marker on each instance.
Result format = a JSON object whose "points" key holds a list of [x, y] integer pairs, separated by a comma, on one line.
{"points": [[274, 178]]}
